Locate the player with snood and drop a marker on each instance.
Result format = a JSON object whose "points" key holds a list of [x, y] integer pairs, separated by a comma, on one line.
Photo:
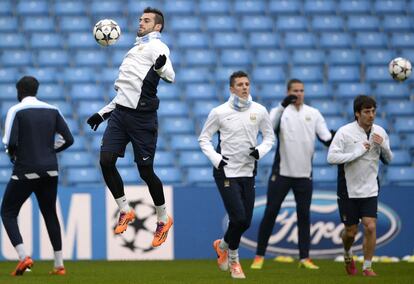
{"points": [[133, 118]]}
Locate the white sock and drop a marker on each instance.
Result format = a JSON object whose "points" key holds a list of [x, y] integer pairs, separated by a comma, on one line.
{"points": [[234, 255], [223, 245], [348, 253], [20, 251], [58, 258], [367, 264], [123, 204], [161, 213]]}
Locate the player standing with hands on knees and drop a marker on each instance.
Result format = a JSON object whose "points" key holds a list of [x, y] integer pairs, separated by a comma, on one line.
{"points": [[29, 138], [238, 122], [133, 118], [356, 149], [297, 126]]}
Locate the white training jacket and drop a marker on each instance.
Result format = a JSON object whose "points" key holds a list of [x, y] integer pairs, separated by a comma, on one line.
{"points": [[238, 133], [133, 70], [297, 131], [360, 166]]}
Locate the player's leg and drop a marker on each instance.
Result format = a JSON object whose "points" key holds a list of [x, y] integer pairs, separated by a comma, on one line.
{"points": [[113, 179], [247, 185], [113, 146], [348, 237], [144, 141], [16, 193], [156, 190], [116, 186], [232, 194], [302, 190], [46, 194], [248, 197], [369, 221], [164, 221], [369, 243], [278, 188], [349, 214]]}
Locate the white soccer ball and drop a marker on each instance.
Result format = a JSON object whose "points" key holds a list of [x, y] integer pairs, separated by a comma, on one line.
{"points": [[106, 32], [400, 68]]}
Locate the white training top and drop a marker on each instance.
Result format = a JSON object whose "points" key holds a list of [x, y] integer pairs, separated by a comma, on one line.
{"points": [[360, 166], [135, 67], [297, 130], [238, 133]]}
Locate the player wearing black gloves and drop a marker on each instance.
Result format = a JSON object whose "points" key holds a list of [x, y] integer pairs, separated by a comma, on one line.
{"points": [[133, 118], [296, 125], [289, 99], [238, 121]]}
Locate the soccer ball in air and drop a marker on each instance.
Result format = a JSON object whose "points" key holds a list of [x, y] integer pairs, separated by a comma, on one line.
{"points": [[106, 32], [400, 68]]}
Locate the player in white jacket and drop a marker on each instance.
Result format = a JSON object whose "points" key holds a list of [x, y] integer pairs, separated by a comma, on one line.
{"points": [[297, 126], [238, 122], [356, 149], [132, 117]]}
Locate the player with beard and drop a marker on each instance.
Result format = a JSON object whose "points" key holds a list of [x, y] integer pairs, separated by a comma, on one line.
{"points": [[133, 118]]}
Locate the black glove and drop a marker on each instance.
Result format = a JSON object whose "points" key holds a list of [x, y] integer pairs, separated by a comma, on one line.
{"points": [[328, 143], [289, 100], [160, 62], [223, 163], [95, 120], [254, 153]]}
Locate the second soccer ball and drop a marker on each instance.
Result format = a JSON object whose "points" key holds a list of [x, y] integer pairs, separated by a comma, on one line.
{"points": [[399, 68]]}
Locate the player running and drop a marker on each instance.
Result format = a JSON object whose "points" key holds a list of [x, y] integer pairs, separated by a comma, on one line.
{"points": [[357, 148]]}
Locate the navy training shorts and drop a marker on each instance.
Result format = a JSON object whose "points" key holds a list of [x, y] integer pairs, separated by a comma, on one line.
{"points": [[351, 210], [129, 125]]}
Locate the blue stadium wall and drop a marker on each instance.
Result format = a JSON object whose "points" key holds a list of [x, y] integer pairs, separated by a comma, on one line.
{"points": [[88, 216]]}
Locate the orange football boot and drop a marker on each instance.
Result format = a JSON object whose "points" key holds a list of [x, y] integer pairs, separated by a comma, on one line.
{"points": [[21, 267], [124, 219], [161, 232]]}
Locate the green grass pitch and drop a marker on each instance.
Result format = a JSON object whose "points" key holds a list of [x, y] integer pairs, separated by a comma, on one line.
{"points": [[202, 271]]}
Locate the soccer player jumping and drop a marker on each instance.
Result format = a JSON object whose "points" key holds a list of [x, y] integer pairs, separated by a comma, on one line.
{"points": [[133, 118], [357, 148]]}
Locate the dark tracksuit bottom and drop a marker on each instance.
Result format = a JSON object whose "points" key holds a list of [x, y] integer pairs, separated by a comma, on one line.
{"points": [[17, 192], [278, 188], [238, 196]]}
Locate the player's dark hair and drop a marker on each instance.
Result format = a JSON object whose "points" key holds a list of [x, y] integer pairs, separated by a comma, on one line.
{"points": [[27, 86], [362, 101], [159, 17], [237, 74], [291, 82]]}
